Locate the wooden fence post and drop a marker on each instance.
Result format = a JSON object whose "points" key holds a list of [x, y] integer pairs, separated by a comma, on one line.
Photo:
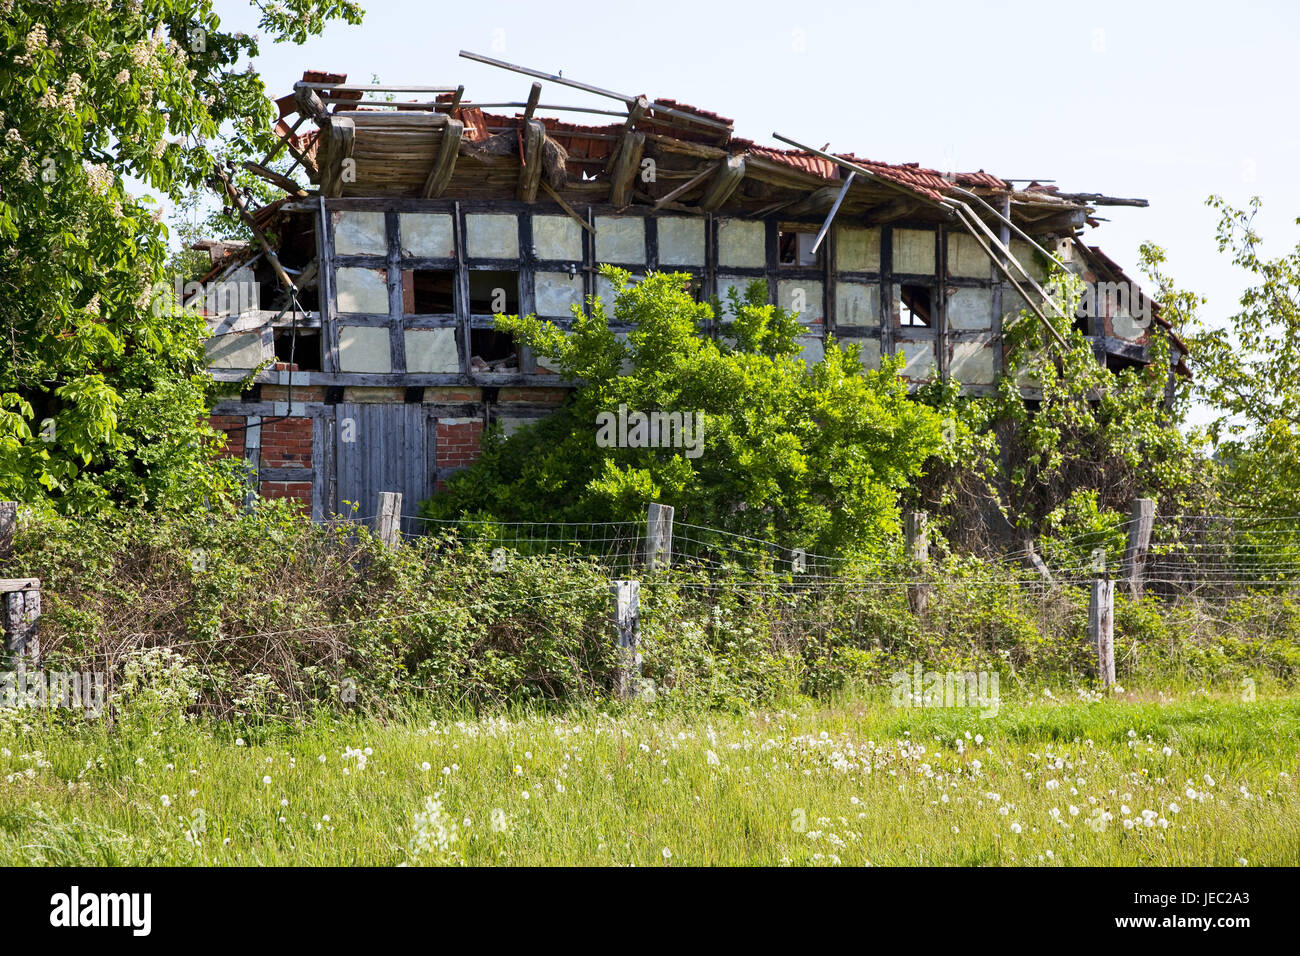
{"points": [[1139, 540], [659, 537], [8, 523], [627, 624], [388, 522], [1101, 628], [918, 552], [21, 613]]}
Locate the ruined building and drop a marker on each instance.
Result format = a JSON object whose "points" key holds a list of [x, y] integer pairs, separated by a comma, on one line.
{"points": [[429, 217]]}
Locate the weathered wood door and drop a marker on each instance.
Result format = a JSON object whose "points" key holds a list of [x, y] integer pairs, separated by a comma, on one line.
{"points": [[381, 447]]}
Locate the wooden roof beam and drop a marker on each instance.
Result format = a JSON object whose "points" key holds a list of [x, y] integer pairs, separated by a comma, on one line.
{"points": [[530, 175], [444, 165], [730, 173]]}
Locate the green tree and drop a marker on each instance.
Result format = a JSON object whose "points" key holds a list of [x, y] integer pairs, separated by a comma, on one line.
{"points": [[1248, 372], [1064, 443], [812, 457], [102, 388]]}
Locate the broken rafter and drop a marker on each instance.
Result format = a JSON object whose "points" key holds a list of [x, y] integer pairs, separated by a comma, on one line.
{"points": [[657, 107], [1097, 199], [445, 162], [271, 176], [567, 208], [339, 138], [534, 140], [730, 173]]}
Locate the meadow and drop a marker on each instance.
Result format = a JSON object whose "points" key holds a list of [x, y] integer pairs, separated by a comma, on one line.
{"points": [[1054, 779]]}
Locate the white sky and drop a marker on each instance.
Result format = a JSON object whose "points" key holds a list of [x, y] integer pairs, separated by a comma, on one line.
{"points": [[1167, 102]]}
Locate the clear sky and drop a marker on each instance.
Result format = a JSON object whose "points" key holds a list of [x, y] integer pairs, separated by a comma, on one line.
{"points": [[1168, 102]]}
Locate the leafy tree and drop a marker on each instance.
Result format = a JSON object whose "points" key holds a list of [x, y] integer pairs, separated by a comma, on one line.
{"points": [[1248, 372], [101, 390], [814, 457], [1064, 444]]}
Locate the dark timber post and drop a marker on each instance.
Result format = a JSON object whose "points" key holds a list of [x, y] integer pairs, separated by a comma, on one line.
{"points": [[1139, 540], [627, 626]]}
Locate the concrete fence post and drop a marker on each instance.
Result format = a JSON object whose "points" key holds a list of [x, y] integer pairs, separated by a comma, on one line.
{"points": [[1101, 628], [659, 537], [627, 627], [388, 520]]}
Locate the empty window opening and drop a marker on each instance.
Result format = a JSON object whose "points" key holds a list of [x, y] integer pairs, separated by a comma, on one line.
{"points": [[304, 351], [915, 310], [428, 291], [492, 351], [796, 248], [493, 293]]}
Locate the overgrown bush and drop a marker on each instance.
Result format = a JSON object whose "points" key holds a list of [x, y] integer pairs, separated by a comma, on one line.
{"points": [[265, 616]]}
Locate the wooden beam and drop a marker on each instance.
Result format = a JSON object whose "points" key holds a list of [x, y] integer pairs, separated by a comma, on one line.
{"points": [[626, 166], [731, 171], [338, 139], [445, 163], [271, 176], [534, 134], [567, 208], [686, 186], [816, 202], [534, 95]]}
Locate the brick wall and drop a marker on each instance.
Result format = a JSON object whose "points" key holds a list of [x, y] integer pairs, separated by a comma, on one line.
{"points": [[233, 426], [286, 443], [294, 490], [458, 441]]}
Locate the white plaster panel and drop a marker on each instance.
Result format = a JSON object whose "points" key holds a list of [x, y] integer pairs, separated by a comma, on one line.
{"points": [[857, 305], [857, 250], [236, 350], [972, 363], [364, 349], [620, 239], [970, 309], [432, 351], [557, 237], [804, 296], [914, 251], [362, 290], [742, 243], [556, 292], [427, 235], [920, 360], [360, 234], [681, 241], [966, 258], [491, 236]]}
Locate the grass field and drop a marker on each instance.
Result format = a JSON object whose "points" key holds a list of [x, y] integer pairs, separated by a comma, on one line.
{"points": [[1144, 780]]}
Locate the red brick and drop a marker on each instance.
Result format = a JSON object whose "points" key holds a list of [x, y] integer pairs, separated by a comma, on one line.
{"points": [[301, 393], [543, 396], [294, 490], [287, 443], [233, 427]]}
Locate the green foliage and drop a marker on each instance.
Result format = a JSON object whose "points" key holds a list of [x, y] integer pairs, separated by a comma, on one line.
{"points": [[101, 384], [1248, 371], [814, 457], [1063, 434]]}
